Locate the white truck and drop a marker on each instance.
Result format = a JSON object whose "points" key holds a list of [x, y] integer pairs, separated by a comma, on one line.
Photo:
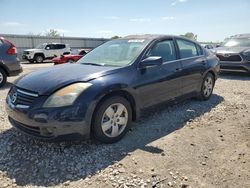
{"points": [[46, 51]]}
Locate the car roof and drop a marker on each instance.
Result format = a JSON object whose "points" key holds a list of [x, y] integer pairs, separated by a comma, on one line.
{"points": [[147, 36], [156, 36], [246, 35], [55, 43]]}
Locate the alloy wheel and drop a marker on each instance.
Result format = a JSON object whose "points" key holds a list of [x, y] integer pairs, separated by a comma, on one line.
{"points": [[208, 86], [114, 120], [39, 59]]}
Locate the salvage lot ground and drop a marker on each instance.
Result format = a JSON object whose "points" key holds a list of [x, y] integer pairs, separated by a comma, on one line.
{"points": [[191, 144]]}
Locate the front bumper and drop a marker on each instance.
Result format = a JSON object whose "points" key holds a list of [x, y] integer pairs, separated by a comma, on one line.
{"points": [[65, 123], [27, 57], [235, 66]]}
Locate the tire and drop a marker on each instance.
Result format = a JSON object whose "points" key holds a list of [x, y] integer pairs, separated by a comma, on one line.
{"points": [[70, 61], [207, 87], [108, 125], [39, 58], [3, 78]]}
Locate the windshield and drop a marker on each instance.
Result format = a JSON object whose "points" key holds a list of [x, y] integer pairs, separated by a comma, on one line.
{"points": [[115, 53], [40, 46], [237, 42]]}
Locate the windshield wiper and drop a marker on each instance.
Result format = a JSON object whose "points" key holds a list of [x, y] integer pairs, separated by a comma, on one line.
{"points": [[95, 64]]}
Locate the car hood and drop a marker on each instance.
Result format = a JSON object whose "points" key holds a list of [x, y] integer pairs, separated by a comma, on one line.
{"points": [[225, 50], [32, 50], [48, 80]]}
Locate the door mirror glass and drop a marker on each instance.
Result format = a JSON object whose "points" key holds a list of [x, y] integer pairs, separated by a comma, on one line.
{"points": [[151, 61]]}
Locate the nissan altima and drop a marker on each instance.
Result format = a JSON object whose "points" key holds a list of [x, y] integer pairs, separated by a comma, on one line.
{"points": [[105, 91]]}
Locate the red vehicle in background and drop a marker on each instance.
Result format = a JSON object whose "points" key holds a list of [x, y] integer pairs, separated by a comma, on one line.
{"points": [[70, 58]]}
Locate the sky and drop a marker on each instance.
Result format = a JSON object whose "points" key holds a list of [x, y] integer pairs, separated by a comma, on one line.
{"points": [[211, 20]]}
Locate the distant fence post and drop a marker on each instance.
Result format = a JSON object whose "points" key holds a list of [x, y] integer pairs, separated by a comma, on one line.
{"points": [[32, 41]]}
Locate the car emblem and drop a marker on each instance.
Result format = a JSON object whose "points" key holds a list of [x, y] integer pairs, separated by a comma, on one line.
{"points": [[14, 97], [226, 55]]}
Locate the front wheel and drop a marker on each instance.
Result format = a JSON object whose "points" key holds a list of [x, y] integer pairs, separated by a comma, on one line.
{"points": [[207, 87], [39, 58], [112, 119]]}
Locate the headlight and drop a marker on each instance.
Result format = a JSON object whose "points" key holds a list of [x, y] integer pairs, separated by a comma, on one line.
{"points": [[247, 53], [66, 96]]}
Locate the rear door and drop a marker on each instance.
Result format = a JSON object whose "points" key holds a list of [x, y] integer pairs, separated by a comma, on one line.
{"points": [[60, 49], [160, 83], [193, 63]]}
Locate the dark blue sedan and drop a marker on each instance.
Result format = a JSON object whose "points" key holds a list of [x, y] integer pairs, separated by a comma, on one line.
{"points": [[106, 90]]}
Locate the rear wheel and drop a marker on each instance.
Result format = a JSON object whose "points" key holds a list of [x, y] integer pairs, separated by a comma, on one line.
{"points": [[207, 87], [3, 77], [112, 119], [39, 58]]}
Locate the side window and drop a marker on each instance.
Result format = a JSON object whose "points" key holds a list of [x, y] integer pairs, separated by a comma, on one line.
{"points": [[82, 52], [56, 46], [187, 48], [165, 49], [200, 50], [59, 46], [49, 47], [1, 42]]}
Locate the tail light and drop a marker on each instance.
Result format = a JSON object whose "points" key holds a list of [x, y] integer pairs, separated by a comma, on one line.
{"points": [[12, 50]]}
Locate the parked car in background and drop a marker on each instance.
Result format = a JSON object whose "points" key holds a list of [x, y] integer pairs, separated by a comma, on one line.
{"points": [[45, 51], [106, 89], [70, 58], [209, 47], [9, 63], [234, 54]]}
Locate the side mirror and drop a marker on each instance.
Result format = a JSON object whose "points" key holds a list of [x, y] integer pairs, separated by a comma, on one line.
{"points": [[151, 61], [47, 48]]}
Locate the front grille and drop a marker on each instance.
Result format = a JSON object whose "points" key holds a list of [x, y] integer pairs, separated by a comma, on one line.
{"points": [[229, 57], [25, 53], [22, 97]]}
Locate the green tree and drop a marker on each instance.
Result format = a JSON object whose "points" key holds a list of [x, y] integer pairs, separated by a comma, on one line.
{"points": [[52, 33], [115, 37], [190, 35]]}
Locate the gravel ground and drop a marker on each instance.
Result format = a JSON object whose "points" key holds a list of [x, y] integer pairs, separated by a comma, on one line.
{"points": [[191, 144]]}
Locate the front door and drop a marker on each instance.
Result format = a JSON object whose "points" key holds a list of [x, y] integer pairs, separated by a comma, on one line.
{"points": [[160, 83]]}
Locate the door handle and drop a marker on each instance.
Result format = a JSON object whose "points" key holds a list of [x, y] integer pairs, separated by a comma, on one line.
{"points": [[178, 70], [203, 62]]}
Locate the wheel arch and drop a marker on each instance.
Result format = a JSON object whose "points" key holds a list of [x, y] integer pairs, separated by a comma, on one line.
{"points": [[212, 72], [39, 53], [5, 69]]}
